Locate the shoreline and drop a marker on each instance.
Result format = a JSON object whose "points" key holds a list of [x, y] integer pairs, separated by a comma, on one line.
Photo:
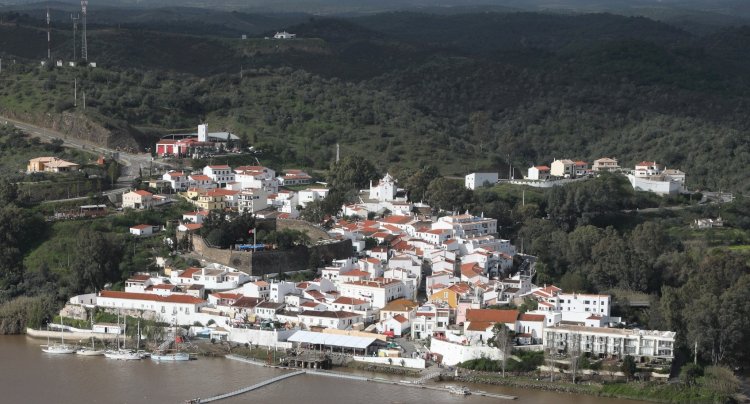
{"points": [[340, 375]]}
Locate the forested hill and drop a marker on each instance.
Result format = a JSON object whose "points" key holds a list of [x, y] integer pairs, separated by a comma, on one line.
{"points": [[396, 86]]}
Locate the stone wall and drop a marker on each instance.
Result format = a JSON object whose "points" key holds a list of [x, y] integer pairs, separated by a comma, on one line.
{"points": [[261, 263]]}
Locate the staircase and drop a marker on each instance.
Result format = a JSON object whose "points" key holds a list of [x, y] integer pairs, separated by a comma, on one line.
{"points": [[428, 376]]}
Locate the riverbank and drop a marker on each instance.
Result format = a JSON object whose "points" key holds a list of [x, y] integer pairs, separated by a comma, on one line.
{"points": [[643, 391]]}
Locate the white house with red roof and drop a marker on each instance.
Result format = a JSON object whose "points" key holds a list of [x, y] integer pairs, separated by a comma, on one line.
{"points": [[200, 181], [378, 291], [172, 309], [143, 229], [257, 177], [258, 288], [220, 174], [294, 177], [341, 320], [352, 304], [178, 180], [430, 320], [539, 173], [212, 277], [395, 326], [138, 199]]}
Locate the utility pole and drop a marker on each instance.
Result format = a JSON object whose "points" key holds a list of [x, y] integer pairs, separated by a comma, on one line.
{"points": [[75, 92], [49, 46]]}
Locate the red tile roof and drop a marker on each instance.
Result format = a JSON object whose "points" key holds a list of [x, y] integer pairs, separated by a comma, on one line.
{"points": [[395, 219], [401, 319], [221, 295], [542, 168], [492, 315], [139, 278], [349, 300], [143, 193], [188, 273], [532, 317], [181, 299], [142, 226]]}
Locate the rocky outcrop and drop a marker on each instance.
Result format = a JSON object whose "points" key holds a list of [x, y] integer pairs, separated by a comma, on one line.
{"points": [[78, 126]]}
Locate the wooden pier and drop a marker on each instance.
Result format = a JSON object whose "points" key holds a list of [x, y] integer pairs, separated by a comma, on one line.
{"points": [[246, 389]]}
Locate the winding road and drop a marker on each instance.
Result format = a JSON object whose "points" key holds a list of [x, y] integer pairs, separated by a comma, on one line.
{"points": [[131, 163]]}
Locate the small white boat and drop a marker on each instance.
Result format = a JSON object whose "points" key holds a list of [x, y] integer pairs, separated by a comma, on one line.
{"points": [[59, 349], [62, 347], [458, 390], [171, 357], [90, 352], [123, 355]]}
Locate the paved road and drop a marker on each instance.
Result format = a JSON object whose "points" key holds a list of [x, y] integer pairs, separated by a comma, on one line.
{"points": [[131, 162]]}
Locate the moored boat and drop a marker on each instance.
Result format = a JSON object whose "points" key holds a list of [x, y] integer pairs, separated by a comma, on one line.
{"points": [[171, 357], [59, 349], [458, 390]]}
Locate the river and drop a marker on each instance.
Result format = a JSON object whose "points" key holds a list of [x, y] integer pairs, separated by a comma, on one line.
{"points": [[27, 375]]}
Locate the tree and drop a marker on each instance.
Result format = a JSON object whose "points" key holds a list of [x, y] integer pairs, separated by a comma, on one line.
{"points": [[502, 339], [449, 195], [574, 353], [8, 192], [351, 173], [628, 367]]}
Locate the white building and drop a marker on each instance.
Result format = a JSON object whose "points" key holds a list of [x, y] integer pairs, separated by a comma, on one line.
{"points": [[429, 320], [252, 200], [476, 180], [341, 320], [467, 225], [378, 291], [284, 35], [612, 342], [143, 230], [652, 177], [138, 199], [212, 277], [178, 180], [220, 174], [179, 309], [385, 190], [538, 173], [312, 194]]}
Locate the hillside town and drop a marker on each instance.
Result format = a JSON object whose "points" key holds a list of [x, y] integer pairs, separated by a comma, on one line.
{"points": [[428, 290]]}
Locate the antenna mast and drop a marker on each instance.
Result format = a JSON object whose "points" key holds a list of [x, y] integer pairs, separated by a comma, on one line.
{"points": [[49, 46], [84, 48], [75, 19]]}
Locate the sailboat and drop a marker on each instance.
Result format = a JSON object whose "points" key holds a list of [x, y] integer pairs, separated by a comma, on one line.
{"points": [[163, 355], [86, 351], [92, 351], [62, 347], [121, 353]]}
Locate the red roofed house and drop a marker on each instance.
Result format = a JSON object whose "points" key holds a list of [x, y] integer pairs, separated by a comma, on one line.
{"points": [[479, 322], [530, 329], [538, 173], [143, 230], [395, 326], [220, 174], [138, 199], [200, 181], [378, 291], [172, 309]]}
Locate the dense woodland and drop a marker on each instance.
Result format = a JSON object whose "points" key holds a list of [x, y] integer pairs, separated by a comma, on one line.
{"points": [[414, 89], [427, 97]]}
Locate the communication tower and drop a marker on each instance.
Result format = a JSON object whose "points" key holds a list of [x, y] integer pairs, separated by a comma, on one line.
{"points": [[84, 48]]}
